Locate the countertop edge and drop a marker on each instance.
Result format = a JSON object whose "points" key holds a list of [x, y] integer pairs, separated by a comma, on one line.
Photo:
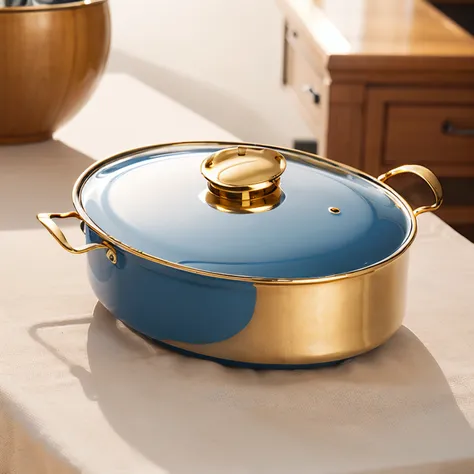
{"points": [[417, 62]]}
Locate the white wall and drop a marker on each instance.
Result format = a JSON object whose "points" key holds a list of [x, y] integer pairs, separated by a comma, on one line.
{"points": [[221, 58]]}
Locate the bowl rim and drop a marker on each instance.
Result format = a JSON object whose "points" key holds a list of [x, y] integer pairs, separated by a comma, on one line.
{"points": [[59, 6]]}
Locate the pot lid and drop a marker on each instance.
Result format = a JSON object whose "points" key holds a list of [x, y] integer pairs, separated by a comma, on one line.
{"points": [[252, 211]]}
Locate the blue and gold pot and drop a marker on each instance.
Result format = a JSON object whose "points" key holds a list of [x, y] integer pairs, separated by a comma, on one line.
{"points": [[247, 254]]}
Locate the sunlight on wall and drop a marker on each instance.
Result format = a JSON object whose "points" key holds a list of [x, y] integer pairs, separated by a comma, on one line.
{"points": [[221, 58]]}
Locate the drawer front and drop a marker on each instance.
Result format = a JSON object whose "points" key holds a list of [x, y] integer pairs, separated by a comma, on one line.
{"points": [[306, 83], [428, 126], [429, 134]]}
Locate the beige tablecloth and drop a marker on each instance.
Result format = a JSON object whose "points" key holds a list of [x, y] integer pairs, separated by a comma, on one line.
{"points": [[81, 394]]}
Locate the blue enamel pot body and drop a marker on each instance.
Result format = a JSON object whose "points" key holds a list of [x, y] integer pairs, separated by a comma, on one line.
{"points": [[246, 254]]}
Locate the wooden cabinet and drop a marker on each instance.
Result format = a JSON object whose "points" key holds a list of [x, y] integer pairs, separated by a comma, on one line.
{"points": [[383, 83]]}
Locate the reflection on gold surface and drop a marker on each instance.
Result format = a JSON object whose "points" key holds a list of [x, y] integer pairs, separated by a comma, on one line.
{"points": [[307, 324], [258, 204]]}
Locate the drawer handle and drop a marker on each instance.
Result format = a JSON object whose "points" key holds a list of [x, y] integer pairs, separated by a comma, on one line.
{"points": [[310, 90], [449, 129], [427, 176]]}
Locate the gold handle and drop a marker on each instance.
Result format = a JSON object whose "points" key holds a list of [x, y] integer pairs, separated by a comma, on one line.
{"points": [[427, 176], [47, 220]]}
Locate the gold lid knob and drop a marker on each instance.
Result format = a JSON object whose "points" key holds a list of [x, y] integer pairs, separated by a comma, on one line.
{"points": [[243, 169], [244, 178]]}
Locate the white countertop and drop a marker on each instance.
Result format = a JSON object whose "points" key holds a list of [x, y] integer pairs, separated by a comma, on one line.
{"points": [[81, 394]]}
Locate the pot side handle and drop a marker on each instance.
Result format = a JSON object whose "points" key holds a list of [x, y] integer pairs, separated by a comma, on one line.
{"points": [[46, 220], [427, 176]]}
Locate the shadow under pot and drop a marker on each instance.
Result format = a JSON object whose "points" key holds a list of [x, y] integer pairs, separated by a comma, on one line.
{"points": [[249, 255], [53, 55]]}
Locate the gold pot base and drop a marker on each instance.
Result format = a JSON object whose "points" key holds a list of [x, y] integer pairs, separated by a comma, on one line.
{"points": [[282, 362], [259, 366], [21, 139], [310, 364]]}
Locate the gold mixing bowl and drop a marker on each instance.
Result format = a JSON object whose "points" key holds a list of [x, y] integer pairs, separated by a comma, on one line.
{"points": [[51, 59]]}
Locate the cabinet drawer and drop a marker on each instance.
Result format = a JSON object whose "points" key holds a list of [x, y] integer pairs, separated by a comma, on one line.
{"points": [[306, 83], [429, 134], [428, 126]]}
